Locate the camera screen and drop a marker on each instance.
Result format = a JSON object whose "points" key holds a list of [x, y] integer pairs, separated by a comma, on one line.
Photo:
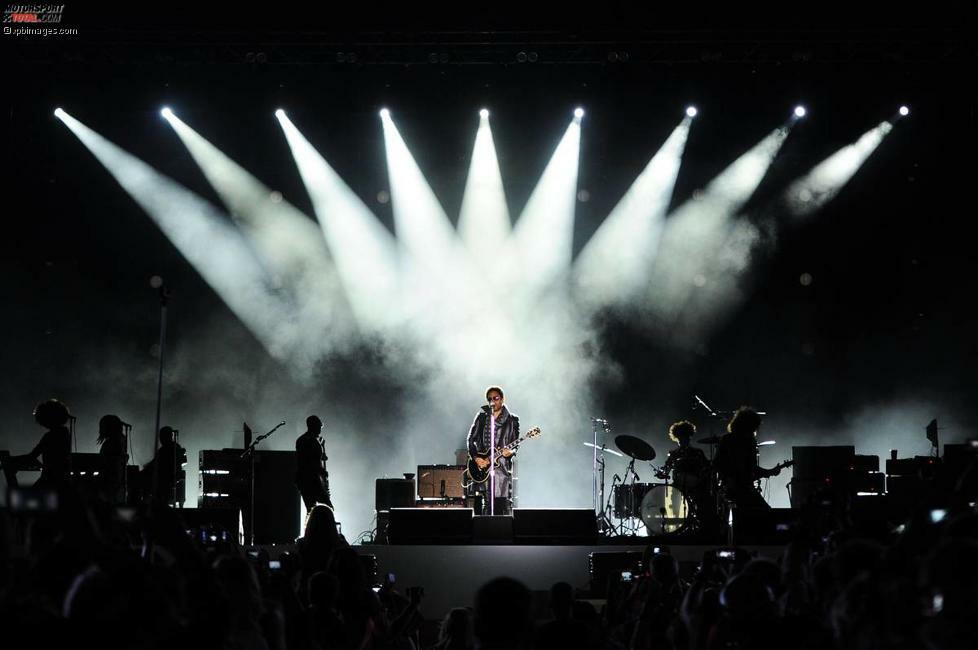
{"points": [[626, 576], [725, 554], [274, 564]]}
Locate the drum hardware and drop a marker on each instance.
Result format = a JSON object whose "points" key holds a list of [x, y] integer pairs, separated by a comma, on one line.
{"points": [[605, 525], [605, 448]]}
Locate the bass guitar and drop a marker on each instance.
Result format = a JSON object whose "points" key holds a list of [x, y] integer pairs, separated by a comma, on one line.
{"points": [[480, 475]]}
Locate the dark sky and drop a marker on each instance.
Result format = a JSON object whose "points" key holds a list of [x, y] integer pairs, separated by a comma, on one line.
{"points": [[887, 319]]}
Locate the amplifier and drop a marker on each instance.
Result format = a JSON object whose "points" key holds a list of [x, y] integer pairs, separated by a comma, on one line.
{"points": [[867, 482], [440, 503], [863, 463], [393, 493], [916, 466], [441, 481]]}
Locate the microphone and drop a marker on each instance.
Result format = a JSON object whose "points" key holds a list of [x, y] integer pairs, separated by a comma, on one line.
{"points": [[282, 423], [125, 424]]}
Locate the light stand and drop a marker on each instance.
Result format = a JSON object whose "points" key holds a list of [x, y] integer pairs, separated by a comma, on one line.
{"points": [[157, 283]]}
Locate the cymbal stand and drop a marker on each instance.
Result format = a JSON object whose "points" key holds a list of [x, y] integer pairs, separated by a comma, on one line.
{"points": [[605, 527], [714, 477], [597, 479]]}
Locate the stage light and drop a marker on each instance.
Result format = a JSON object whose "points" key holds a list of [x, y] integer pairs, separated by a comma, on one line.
{"points": [[59, 113], [280, 113], [578, 112], [691, 111], [800, 111], [904, 111], [385, 113], [166, 112], [484, 113]]}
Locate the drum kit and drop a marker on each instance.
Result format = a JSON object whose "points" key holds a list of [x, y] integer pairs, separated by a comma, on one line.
{"points": [[678, 504], [658, 507]]}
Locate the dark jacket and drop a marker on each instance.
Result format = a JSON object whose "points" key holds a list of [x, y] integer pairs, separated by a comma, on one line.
{"points": [[507, 431]]}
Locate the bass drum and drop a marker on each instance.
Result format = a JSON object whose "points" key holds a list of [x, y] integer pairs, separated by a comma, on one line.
{"points": [[627, 499], [664, 509]]}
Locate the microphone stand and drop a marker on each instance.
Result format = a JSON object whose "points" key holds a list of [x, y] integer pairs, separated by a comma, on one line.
{"points": [[164, 297], [250, 451], [492, 463]]}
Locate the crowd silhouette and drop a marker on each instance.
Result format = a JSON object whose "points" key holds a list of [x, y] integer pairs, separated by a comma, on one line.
{"points": [[80, 570]]}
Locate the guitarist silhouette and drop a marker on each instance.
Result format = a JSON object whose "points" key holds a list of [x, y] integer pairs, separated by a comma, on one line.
{"points": [[736, 461]]}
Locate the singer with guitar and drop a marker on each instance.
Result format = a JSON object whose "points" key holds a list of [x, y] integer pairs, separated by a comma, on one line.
{"points": [[736, 461], [494, 427]]}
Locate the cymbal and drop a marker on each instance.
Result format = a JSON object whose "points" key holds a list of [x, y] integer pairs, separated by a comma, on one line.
{"points": [[711, 440], [635, 447]]}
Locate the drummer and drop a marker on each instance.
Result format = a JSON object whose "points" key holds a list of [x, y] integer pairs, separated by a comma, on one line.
{"points": [[688, 465]]}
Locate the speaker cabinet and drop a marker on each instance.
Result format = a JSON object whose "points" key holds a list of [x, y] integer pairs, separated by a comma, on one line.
{"points": [[764, 526], [430, 526], [559, 526]]}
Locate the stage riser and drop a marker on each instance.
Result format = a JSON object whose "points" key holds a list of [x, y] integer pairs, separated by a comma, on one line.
{"points": [[451, 575]]}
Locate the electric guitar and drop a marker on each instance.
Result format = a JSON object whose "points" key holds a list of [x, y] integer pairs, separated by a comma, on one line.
{"points": [[479, 475], [780, 466]]}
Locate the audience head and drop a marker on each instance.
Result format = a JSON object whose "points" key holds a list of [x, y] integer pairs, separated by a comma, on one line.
{"points": [[321, 523], [502, 600], [561, 600]]}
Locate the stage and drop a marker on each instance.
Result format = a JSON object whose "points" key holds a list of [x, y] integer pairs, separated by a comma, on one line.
{"points": [[452, 574]]}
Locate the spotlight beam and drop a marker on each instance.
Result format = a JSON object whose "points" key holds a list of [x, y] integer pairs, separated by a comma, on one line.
{"points": [[286, 239], [205, 237], [723, 287], [436, 276], [484, 222], [698, 228], [422, 227], [543, 236], [809, 193], [612, 268], [364, 251]]}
